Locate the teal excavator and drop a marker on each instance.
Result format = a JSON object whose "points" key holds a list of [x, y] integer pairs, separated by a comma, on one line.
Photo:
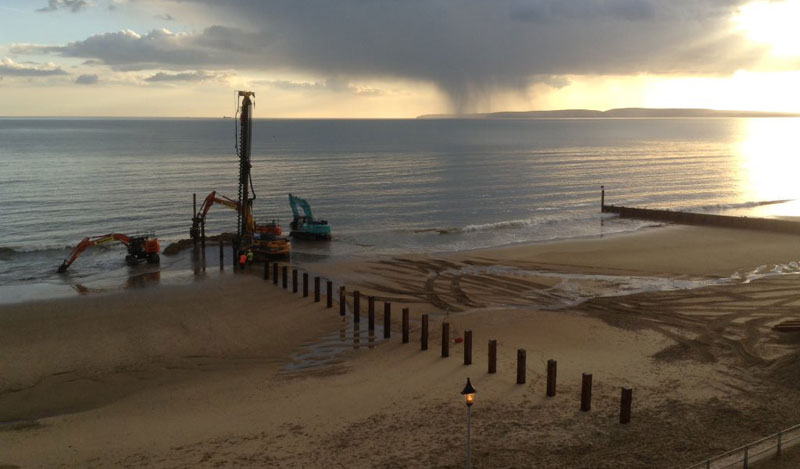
{"points": [[306, 227]]}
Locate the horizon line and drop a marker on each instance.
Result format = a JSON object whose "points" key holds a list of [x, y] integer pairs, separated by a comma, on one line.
{"points": [[443, 114]]}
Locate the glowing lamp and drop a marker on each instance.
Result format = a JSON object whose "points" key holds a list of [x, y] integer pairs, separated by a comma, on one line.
{"points": [[469, 393]]}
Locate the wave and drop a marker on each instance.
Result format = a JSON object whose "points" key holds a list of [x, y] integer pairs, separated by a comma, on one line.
{"points": [[508, 224], [500, 225], [751, 204], [9, 253], [764, 271], [6, 253]]}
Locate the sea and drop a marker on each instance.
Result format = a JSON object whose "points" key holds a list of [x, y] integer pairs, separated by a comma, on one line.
{"points": [[386, 187]]}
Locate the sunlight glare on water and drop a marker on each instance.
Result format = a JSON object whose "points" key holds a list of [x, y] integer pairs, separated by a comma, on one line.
{"points": [[769, 164]]}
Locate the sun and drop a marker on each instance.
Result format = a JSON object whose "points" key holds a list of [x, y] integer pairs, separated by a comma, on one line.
{"points": [[773, 23]]}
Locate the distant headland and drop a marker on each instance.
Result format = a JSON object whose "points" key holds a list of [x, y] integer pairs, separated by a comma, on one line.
{"points": [[630, 112]]}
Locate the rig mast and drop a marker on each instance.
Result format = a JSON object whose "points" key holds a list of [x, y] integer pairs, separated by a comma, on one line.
{"points": [[244, 145]]}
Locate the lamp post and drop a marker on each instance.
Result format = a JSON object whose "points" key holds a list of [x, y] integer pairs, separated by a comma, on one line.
{"points": [[469, 397]]}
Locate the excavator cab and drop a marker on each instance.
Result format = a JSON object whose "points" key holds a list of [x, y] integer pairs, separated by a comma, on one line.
{"points": [[306, 226], [143, 247]]}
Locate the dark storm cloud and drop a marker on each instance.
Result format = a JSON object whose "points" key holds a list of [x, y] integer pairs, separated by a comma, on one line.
{"points": [[87, 79], [469, 49], [127, 50], [72, 5], [555, 10]]}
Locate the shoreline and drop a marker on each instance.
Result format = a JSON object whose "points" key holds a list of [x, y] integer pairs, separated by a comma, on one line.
{"points": [[183, 271], [196, 375]]}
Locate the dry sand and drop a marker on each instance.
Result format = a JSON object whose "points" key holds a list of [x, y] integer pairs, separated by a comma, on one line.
{"points": [[202, 375]]}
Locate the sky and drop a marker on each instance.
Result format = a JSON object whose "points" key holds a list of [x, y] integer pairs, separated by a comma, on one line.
{"points": [[394, 58]]}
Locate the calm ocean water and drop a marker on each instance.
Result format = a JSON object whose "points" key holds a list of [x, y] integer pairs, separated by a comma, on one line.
{"points": [[384, 185]]}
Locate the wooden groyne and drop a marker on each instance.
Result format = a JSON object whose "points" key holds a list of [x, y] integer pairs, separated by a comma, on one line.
{"points": [[704, 219]]}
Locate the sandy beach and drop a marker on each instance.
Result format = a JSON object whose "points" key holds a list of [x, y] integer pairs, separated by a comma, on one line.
{"points": [[233, 371]]}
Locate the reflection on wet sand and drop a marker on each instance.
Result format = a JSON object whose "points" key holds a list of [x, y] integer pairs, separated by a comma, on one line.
{"points": [[144, 280]]}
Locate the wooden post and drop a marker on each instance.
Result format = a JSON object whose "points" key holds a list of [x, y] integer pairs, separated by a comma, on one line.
{"points": [[371, 309], [586, 392], [424, 334], [387, 320], [468, 347], [221, 256], [275, 273], [329, 294], [203, 244], [445, 339], [194, 214], [521, 366], [285, 276], [266, 269], [405, 325], [316, 289], [551, 378], [356, 306], [625, 405], [602, 197], [371, 301], [294, 280], [342, 302], [305, 284], [493, 356]]}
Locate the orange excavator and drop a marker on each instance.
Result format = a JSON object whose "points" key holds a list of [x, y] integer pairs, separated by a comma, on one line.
{"points": [[262, 239], [140, 248]]}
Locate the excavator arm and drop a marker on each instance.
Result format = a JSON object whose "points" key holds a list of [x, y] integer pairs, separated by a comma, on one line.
{"points": [[214, 198], [92, 241], [294, 201]]}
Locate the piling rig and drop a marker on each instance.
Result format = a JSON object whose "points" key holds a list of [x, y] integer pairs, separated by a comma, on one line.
{"points": [[264, 240]]}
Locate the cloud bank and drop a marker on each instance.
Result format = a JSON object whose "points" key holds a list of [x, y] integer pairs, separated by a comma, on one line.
{"points": [[469, 49], [10, 68], [181, 77]]}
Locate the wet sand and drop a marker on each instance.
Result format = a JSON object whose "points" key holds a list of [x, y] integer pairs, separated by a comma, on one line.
{"points": [[202, 375]]}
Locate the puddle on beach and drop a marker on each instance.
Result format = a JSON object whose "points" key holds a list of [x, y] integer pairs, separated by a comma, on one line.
{"points": [[329, 350]]}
